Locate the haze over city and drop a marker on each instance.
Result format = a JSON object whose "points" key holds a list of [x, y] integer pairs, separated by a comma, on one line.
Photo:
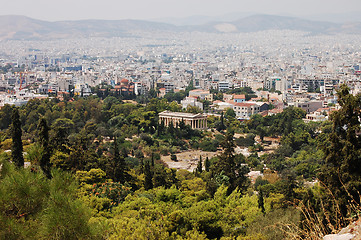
{"points": [[155, 9]]}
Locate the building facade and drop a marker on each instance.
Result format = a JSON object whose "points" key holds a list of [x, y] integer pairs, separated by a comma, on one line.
{"points": [[196, 121], [245, 110]]}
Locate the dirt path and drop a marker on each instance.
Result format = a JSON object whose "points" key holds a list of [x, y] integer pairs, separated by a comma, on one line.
{"points": [[188, 160]]}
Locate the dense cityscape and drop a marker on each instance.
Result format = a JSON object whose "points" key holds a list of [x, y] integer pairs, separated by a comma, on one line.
{"points": [[299, 67]]}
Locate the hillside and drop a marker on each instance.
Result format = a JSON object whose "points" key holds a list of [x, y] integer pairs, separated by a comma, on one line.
{"points": [[25, 28]]}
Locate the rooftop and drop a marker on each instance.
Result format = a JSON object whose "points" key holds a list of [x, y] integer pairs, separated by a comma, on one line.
{"points": [[180, 114]]}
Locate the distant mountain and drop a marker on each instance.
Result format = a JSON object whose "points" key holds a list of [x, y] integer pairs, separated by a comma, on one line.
{"points": [[201, 19], [270, 22], [335, 17], [24, 28]]}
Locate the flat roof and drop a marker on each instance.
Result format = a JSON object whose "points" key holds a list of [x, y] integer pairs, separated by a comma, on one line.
{"points": [[181, 114]]}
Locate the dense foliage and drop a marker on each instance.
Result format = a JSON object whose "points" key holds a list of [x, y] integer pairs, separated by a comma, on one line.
{"points": [[95, 172]]}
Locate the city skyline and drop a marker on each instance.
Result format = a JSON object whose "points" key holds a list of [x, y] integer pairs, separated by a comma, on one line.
{"points": [[157, 9]]}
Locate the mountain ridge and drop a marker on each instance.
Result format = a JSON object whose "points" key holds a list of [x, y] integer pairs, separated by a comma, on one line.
{"points": [[18, 27]]}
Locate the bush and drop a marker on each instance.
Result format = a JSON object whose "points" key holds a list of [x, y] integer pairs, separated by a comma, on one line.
{"points": [[209, 145], [147, 138], [245, 141], [114, 191], [34, 207]]}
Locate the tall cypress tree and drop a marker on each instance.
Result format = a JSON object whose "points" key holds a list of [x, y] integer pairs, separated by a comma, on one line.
{"points": [[148, 181], [119, 173], [221, 126], [17, 145], [261, 202], [228, 165], [199, 166], [152, 159], [171, 129], [160, 128], [44, 142], [207, 164]]}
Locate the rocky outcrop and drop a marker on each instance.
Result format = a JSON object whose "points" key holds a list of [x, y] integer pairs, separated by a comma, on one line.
{"points": [[351, 232]]}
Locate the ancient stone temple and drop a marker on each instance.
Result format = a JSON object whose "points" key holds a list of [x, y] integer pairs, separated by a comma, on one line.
{"points": [[196, 121]]}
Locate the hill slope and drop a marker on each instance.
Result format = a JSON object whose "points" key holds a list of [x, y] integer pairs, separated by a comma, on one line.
{"points": [[24, 28]]}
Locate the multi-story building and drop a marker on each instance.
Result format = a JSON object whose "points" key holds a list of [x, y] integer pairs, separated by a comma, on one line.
{"points": [[222, 86], [201, 94], [309, 106], [245, 110], [191, 101], [239, 98]]}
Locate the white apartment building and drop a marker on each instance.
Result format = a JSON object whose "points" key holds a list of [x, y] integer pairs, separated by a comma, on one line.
{"points": [[191, 101], [245, 110], [223, 86]]}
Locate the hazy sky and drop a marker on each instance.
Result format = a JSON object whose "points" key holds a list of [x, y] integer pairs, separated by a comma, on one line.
{"points": [[151, 9]]}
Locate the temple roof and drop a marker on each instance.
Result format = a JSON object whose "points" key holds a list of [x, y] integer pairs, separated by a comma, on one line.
{"points": [[181, 114]]}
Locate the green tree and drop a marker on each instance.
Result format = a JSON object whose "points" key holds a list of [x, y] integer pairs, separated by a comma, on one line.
{"points": [[160, 128], [44, 142], [60, 130], [342, 173], [118, 165], [65, 216], [230, 166], [261, 202], [148, 181], [261, 130], [193, 109], [221, 126], [230, 113], [207, 164], [5, 116], [17, 145], [199, 166], [152, 159]]}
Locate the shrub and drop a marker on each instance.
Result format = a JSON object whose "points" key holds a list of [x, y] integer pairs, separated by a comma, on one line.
{"points": [[173, 157]]}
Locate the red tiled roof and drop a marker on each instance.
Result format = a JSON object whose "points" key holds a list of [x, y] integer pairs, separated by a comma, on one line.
{"points": [[275, 110], [240, 96], [244, 104]]}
